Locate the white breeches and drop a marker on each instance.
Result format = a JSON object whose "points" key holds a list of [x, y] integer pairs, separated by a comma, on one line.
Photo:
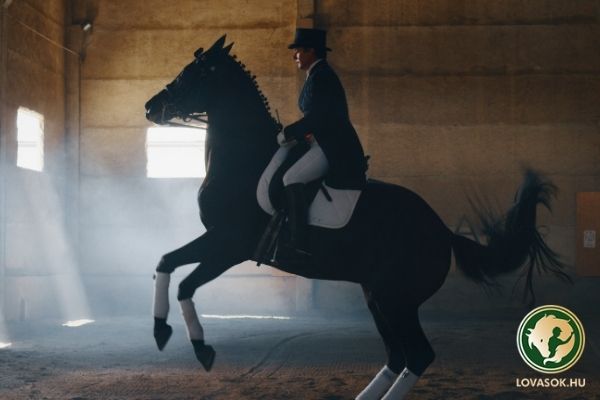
{"points": [[309, 167]]}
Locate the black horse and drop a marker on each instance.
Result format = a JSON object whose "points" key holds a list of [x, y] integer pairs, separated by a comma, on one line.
{"points": [[395, 246]]}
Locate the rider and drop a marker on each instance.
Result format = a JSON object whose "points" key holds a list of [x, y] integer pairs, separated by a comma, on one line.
{"points": [[335, 149]]}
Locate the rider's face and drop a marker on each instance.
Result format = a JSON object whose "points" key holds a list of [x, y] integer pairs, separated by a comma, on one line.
{"points": [[304, 57]]}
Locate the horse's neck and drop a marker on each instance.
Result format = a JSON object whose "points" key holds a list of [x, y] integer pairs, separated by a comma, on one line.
{"points": [[240, 144]]}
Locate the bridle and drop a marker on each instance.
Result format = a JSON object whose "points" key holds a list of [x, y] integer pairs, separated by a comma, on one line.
{"points": [[186, 122], [202, 118]]}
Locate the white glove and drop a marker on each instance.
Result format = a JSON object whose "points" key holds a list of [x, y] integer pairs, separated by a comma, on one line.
{"points": [[281, 138], [282, 142]]}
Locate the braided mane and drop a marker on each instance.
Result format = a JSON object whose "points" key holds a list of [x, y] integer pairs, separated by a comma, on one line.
{"points": [[252, 80]]}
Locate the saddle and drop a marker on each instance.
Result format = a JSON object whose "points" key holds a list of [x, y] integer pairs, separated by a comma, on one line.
{"points": [[329, 207]]}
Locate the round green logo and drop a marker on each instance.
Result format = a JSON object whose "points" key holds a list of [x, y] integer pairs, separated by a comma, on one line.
{"points": [[550, 339]]}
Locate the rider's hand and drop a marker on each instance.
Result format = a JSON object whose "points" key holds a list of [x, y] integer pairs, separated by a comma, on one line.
{"points": [[281, 139], [285, 142]]}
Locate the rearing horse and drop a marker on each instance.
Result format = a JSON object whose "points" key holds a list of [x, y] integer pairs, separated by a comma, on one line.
{"points": [[395, 246]]}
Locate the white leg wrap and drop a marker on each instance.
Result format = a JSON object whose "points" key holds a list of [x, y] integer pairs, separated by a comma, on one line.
{"points": [[161, 295], [194, 329], [379, 385], [402, 386]]}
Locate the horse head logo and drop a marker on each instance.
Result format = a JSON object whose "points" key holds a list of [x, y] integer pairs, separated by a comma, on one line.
{"points": [[553, 338], [550, 339]]}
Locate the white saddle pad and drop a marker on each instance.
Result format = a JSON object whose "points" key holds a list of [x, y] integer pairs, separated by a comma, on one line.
{"points": [[323, 213]]}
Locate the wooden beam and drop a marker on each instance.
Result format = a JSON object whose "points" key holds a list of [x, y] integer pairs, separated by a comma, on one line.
{"points": [[3, 133], [306, 14]]}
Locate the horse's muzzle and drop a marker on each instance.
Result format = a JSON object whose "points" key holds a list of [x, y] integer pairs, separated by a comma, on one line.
{"points": [[156, 108]]}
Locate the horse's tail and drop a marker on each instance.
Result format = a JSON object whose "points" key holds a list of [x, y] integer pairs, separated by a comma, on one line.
{"points": [[513, 241]]}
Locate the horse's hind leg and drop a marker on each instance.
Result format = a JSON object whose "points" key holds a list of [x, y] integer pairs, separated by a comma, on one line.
{"points": [[409, 352], [399, 297], [393, 347], [418, 353]]}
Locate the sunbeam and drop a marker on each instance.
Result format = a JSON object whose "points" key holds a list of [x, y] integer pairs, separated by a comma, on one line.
{"points": [[59, 256], [78, 322], [245, 316]]}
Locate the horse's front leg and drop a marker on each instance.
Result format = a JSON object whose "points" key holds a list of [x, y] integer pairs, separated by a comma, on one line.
{"points": [[199, 250], [190, 253], [203, 273], [216, 251]]}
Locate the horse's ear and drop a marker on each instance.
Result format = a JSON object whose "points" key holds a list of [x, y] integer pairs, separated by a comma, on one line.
{"points": [[218, 44], [227, 49], [198, 52]]}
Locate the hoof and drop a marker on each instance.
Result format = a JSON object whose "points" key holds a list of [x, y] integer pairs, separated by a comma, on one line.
{"points": [[162, 334], [205, 354]]}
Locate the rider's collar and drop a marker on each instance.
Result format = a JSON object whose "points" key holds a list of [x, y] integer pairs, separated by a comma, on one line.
{"points": [[311, 67]]}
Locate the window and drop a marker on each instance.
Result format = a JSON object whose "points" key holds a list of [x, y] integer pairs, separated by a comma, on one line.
{"points": [[30, 139], [175, 152]]}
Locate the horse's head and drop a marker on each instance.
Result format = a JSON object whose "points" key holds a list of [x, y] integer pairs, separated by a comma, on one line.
{"points": [[190, 93]]}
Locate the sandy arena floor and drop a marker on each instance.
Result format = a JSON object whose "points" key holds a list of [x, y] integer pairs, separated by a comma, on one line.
{"points": [[303, 358]]}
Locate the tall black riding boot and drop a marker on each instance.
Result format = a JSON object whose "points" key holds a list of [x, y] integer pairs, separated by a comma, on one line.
{"points": [[297, 215]]}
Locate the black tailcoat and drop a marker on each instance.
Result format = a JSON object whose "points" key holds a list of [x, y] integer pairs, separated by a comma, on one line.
{"points": [[323, 103]]}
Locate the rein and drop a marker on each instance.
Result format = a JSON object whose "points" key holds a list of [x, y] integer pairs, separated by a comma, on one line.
{"points": [[185, 125]]}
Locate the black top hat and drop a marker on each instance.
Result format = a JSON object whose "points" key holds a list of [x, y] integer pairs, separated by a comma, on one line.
{"points": [[311, 38]]}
